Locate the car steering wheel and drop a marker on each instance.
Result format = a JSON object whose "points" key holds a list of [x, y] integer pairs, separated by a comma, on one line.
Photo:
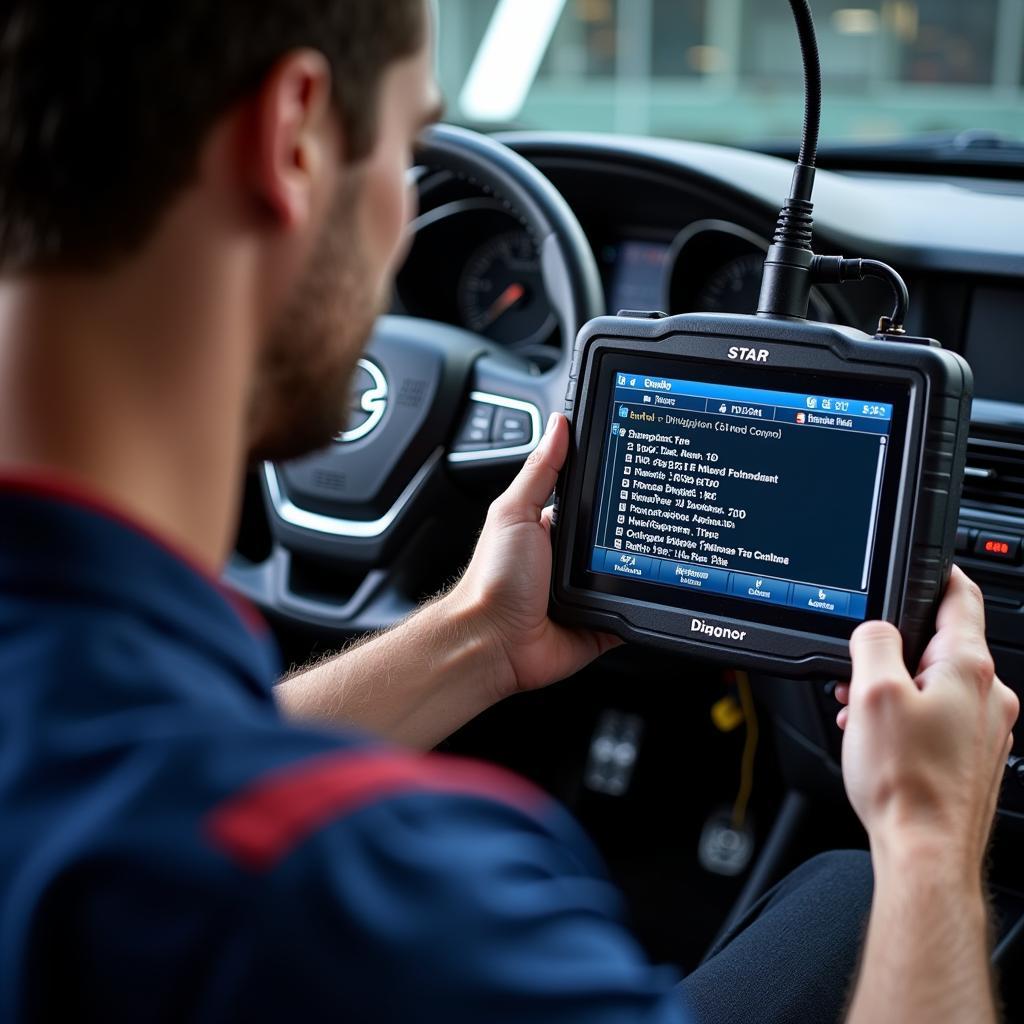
{"points": [[434, 406]]}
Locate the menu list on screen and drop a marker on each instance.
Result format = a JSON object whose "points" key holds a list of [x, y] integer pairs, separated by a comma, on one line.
{"points": [[765, 496]]}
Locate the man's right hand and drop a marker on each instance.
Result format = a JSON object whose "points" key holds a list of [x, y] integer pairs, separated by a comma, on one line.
{"points": [[923, 758]]}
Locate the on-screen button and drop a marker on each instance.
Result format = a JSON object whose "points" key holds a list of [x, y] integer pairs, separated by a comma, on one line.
{"points": [[638, 567], [695, 577], [758, 588], [818, 599]]}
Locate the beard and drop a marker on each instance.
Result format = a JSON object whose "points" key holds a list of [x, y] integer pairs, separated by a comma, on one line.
{"points": [[300, 400]]}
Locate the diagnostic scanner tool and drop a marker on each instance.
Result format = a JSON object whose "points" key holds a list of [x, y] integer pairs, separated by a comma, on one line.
{"points": [[748, 489]]}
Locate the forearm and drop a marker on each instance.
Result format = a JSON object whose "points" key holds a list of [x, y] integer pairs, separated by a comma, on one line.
{"points": [[414, 685], [927, 952]]}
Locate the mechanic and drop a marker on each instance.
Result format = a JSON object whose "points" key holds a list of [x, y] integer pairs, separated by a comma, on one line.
{"points": [[201, 206]]}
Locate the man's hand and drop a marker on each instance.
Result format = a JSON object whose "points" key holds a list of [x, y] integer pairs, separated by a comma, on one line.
{"points": [[489, 637], [507, 583], [923, 758]]}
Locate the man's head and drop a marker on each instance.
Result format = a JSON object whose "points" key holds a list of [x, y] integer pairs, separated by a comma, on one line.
{"points": [[299, 114]]}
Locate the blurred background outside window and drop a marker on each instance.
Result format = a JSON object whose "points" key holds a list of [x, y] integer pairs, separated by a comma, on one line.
{"points": [[729, 70]]}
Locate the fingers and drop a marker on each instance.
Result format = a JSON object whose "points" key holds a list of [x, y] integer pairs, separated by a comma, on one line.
{"points": [[959, 653], [546, 517], [963, 607], [525, 499], [842, 692], [878, 669], [960, 624]]}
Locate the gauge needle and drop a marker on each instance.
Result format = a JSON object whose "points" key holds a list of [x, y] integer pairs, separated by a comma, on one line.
{"points": [[508, 298]]}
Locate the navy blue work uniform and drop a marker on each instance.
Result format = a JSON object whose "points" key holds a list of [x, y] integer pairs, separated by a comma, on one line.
{"points": [[171, 849]]}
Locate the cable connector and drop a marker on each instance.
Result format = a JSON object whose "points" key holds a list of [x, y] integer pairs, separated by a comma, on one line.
{"points": [[786, 288], [838, 270]]}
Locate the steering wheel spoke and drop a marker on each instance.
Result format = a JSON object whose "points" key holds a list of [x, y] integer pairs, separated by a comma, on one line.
{"points": [[503, 421], [369, 601]]}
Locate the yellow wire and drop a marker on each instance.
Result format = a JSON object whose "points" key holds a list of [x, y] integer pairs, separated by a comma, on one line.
{"points": [[739, 810]]}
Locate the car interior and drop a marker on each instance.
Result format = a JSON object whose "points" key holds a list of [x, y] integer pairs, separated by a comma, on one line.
{"points": [[701, 786]]}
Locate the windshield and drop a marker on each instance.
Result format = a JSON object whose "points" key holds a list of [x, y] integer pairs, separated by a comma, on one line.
{"points": [[729, 71]]}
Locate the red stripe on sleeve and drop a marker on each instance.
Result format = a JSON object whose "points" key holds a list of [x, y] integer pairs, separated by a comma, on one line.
{"points": [[262, 824]]}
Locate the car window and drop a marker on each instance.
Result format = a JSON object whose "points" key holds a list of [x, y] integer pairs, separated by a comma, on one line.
{"points": [[729, 71]]}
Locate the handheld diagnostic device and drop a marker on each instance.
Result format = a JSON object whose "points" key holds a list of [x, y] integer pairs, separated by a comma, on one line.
{"points": [[748, 489]]}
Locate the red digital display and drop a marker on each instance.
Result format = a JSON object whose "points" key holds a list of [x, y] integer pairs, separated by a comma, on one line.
{"points": [[998, 547]]}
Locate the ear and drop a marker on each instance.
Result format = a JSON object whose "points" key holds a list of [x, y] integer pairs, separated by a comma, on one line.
{"points": [[296, 140]]}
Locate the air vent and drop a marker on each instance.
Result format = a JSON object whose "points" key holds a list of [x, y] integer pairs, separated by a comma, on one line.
{"points": [[995, 472]]}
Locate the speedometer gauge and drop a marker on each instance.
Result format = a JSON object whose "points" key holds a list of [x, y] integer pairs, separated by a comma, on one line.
{"points": [[501, 292], [718, 267]]}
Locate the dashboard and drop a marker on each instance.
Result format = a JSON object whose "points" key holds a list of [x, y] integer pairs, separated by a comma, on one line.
{"points": [[490, 280], [683, 227]]}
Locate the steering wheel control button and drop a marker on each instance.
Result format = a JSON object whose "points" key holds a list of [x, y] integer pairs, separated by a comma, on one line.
{"points": [[694, 577], [512, 428], [818, 599], [637, 567], [998, 547], [475, 433], [760, 588]]}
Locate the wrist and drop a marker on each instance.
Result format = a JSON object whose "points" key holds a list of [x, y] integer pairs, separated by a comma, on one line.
{"points": [[465, 625], [923, 857]]}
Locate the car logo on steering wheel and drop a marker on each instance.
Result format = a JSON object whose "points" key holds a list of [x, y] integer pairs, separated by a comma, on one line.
{"points": [[369, 400]]}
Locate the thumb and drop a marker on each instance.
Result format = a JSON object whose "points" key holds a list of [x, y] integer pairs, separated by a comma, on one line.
{"points": [[877, 652], [529, 492]]}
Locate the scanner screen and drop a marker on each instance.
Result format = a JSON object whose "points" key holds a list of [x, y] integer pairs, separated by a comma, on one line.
{"points": [[770, 497]]}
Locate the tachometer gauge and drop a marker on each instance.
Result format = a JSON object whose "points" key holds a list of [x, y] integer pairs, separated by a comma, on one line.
{"points": [[735, 287], [501, 292], [717, 267]]}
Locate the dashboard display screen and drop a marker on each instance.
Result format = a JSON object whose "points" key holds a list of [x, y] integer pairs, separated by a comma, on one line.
{"points": [[767, 497]]}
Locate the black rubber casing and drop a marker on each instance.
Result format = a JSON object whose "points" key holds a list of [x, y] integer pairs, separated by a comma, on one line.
{"points": [[919, 561]]}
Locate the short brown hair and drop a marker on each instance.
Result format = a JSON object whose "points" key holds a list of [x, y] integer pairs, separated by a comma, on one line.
{"points": [[104, 104]]}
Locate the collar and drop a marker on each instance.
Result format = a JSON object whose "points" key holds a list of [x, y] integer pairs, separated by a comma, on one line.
{"points": [[57, 538]]}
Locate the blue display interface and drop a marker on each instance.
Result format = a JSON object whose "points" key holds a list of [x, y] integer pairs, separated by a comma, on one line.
{"points": [[766, 496]]}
